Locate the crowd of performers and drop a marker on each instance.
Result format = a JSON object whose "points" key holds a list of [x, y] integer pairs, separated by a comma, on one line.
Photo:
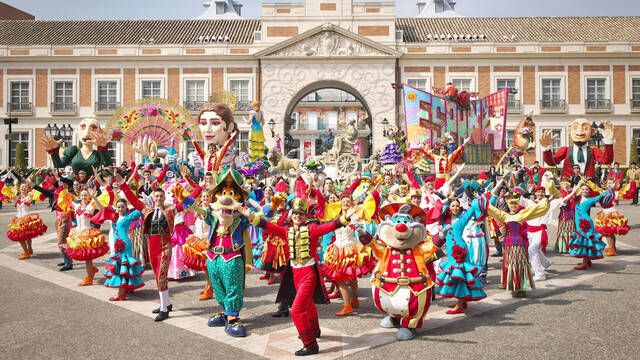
{"points": [[418, 236]]}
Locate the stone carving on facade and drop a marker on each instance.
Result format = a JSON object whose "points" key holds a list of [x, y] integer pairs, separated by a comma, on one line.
{"points": [[328, 43]]}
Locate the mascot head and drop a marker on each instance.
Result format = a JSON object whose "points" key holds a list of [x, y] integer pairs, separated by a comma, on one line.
{"points": [[401, 226], [229, 195], [580, 131]]}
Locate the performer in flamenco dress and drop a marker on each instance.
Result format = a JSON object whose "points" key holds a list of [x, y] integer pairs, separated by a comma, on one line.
{"points": [[516, 269], [566, 222], [195, 248], [85, 242], [122, 269], [459, 277], [177, 268], [586, 242], [256, 136], [391, 154], [611, 222], [24, 226], [346, 260]]}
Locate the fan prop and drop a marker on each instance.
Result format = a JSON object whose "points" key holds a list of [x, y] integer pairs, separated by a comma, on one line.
{"points": [[163, 122]]}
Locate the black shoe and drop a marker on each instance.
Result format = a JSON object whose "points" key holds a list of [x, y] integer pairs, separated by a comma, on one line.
{"points": [[157, 311], [496, 255], [66, 268], [162, 315], [61, 264], [281, 313], [308, 351], [318, 333]]}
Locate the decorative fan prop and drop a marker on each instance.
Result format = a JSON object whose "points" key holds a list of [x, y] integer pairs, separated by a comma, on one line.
{"points": [[226, 97], [163, 122]]}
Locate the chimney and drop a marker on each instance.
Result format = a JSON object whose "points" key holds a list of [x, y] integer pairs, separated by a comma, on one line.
{"points": [[421, 5], [238, 7]]}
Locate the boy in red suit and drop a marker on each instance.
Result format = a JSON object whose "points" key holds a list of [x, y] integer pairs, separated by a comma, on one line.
{"points": [[302, 238]]}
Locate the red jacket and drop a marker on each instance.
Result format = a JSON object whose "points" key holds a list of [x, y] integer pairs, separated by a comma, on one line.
{"points": [[565, 155]]}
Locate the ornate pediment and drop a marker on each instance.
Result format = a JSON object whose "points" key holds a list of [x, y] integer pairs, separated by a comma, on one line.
{"points": [[328, 41]]}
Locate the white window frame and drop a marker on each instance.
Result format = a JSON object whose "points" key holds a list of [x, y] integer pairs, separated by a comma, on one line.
{"points": [[30, 146], [426, 79], [472, 82], [515, 97], [562, 138], [74, 89], [96, 96], [151, 78], [631, 79], [13, 79], [251, 89], [307, 125], [607, 85], [183, 90]]}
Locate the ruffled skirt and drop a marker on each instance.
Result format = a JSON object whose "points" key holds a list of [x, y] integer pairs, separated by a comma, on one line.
{"points": [[256, 141], [516, 269], [123, 271], [461, 281], [348, 262], [88, 244], [628, 191], [194, 253], [587, 246], [274, 257], [611, 223], [390, 154], [26, 228]]}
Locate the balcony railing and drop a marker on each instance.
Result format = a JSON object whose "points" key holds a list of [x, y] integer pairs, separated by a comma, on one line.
{"points": [[553, 106], [243, 106], [597, 105], [635, 105], [106, 106], [514, 106], [193, 106], [20, 107], [63, 108]]}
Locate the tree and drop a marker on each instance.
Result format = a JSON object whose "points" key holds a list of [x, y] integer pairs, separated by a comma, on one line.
{"points": [[21, 160], [633, 157]]}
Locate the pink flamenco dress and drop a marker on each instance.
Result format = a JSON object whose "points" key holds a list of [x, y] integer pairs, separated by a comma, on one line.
{"points": [[85, 242], [177, 267], [25, 226]]}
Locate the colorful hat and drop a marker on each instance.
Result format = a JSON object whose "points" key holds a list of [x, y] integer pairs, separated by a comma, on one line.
{"points": [[430, 178], [415, 192], [282, 187], [538, 188], [300, 205], [483, 176], [233, 176], [409, 209]]}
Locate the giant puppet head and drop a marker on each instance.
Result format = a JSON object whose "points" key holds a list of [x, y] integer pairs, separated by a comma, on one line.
{"points": [[216, 124], [580, 131], [229, 196], [402, 226]]}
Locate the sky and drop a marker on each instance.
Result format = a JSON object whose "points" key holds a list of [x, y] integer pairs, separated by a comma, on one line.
{"points": [[187, 9]]}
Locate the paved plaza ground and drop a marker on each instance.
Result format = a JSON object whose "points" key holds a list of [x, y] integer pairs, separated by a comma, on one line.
{"points": [[571, 315]]}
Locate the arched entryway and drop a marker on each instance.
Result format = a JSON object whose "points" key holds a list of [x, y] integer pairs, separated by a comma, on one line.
{"points": [[319, 112]]}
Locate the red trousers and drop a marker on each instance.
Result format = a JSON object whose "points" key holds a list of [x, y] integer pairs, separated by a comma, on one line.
{"points": [[303, 311], [160, 256]]}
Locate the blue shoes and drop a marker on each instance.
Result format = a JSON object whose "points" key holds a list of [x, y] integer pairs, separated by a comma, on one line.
{"points": [[235, 329], [217, 320]]}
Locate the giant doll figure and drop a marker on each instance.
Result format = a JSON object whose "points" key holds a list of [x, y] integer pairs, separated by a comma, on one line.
{"points": [[218, 129], [82, 156], [580, 153]]}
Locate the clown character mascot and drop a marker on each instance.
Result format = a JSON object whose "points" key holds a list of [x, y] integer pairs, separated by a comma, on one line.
{"points": [[302, 281], [218, 129], [229, 255], [579, 154], [443, 161], [82, 157], [401, 282]]}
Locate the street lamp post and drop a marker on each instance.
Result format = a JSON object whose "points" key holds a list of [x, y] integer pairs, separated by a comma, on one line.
{"points": [[272, 125], [385, 123], [9, 121]]}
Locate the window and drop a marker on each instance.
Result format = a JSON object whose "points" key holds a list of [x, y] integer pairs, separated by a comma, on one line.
{"points": [[509, 137], [63, 96], [552, 94], [635, 93], [509, 83], [636, 135], [312, 121], [195, 91], [418, 83], [597, 95], [242, 91], [107, 95], [112, 149], [331, 120], [462, 84], [151, 89], [20, 96], [557, 141], [19, 137], [242, 141]]}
